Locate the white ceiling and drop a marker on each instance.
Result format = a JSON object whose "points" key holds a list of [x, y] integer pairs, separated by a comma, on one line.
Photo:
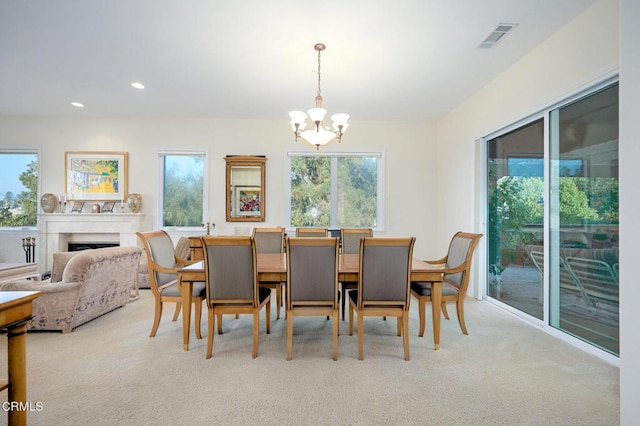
{"points": [[385, 59]]}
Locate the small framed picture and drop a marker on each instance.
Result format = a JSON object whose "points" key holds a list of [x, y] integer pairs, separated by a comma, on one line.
{"points": [[108, 207], [77, 206]]}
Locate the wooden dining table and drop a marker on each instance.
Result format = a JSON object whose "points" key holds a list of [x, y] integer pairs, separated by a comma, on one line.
{"points": [[271, 268]]}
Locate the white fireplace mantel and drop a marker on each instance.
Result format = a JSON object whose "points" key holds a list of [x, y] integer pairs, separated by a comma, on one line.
{"points": [[56, 230]]}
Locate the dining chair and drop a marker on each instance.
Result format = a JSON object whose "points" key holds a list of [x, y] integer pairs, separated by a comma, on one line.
{"points": [[312, 232], [231, 284], [312, 283], [271, 240], [383, 285], [162, 266], [455, 279], [350, 244]]}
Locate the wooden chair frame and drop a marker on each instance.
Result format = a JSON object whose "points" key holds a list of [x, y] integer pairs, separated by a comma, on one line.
{"points": [[160, 299], [316, 307], [312, 232], [345, 234], [384, 308], [280, 288], [219, 307], [461, 290]]}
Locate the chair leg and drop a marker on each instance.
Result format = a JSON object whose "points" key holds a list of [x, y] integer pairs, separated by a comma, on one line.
{"points": [[443, 307], [422, 307], [177, 311], [278, 301], [198, 318], [210, 333], [460, 309], [284, 299], [289, 336], [219, 323], [157, 314], [360, 336], [399, 323], [405, 333], [256, 325], [336, 327], [350, 320], [268, 316], [343, 294]]}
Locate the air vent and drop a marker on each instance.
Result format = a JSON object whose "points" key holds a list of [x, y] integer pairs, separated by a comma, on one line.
{"points": [[496, 35]]}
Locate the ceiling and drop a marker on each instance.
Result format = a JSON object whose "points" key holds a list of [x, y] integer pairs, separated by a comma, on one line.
{"points": [[254, 59]]}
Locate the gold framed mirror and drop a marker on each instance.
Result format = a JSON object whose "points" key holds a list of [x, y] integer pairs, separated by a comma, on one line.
{"points": [[245, 192]]}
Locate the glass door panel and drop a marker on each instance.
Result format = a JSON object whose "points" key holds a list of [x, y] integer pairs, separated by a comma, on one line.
{"points": [[583, 210], [515, 210]]}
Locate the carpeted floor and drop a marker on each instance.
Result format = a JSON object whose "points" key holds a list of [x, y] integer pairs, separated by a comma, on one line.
{"points": [[505, 372]]}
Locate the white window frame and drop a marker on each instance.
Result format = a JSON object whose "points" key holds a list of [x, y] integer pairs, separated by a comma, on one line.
{"points": [[380, 226]]}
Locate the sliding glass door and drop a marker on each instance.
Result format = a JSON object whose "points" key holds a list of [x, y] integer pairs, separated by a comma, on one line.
{"points": [[584, 235], [515, 173], [552, 219]]}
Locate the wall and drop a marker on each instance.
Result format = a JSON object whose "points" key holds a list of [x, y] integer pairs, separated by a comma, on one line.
{"points": [[629, 211], [580, 54], [409, 150]]}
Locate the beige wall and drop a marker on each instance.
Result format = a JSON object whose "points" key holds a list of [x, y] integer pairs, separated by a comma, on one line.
{"points": [[408, 147]]}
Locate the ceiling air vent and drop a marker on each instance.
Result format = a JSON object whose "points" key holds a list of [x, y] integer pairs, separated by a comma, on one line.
{"points": [[496, 35]]}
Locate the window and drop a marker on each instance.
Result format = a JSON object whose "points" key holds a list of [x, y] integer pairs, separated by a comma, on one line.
{"points": [[183, 189], [336, 190], [18, 188]]}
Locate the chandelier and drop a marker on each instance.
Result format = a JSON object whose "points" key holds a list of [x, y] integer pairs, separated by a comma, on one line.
{"points": [[319, 134]]}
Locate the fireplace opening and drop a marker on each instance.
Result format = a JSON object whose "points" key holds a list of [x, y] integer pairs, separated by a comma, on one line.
{"points": [[86, 246]]}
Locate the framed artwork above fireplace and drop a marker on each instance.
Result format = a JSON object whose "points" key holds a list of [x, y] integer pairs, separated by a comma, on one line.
{"points": [[96, 176]]}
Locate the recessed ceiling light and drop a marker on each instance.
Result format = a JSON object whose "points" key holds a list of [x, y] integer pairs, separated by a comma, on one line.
{"points": [[137, 85], [77, 104]]}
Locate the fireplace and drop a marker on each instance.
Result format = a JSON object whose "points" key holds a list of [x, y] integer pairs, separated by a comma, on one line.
{"points": [[75, 246], [57, 231]]}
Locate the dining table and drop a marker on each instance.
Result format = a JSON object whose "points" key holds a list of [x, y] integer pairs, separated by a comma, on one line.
{"points": [[271, 268]]}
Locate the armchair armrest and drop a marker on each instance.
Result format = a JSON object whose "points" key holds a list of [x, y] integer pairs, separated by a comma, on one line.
{"points": [[44, 286], [437, 262]]}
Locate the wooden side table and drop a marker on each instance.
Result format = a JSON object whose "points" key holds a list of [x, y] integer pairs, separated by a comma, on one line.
{"points": [[15, 311]]}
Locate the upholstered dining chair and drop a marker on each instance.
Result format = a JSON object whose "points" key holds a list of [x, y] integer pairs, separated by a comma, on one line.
{"points": [[231, 285], [163, 265], [455, 279], [383, 285], [271, 240], [312, 283], [311, 232], [350, 244]]}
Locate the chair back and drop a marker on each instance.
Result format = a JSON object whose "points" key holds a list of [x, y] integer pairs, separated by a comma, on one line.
{"points": [[385, 271], [160, 257], [312, 232], [269, 240], [350, 238], [312, 271], [230, 270], [460, 254]]}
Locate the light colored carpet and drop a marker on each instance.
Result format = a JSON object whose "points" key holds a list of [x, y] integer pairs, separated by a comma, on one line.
{"points": [[505, 372]]}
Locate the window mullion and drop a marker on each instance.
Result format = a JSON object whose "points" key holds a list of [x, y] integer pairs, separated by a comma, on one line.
{"points": [[333, 223]]}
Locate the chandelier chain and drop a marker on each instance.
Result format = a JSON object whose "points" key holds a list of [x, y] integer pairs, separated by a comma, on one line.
{"points": [[319, 92]]}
